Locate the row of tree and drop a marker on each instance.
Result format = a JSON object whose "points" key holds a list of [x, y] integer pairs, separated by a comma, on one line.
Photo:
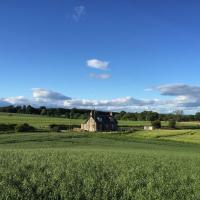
{"points": [[52, 112], [83, 114], [152, 116]]}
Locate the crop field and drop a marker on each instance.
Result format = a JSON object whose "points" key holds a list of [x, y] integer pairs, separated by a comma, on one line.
{"points": [[96, 166]]}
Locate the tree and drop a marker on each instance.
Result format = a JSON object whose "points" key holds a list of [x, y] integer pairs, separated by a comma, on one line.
{"points": [[178, 114], [152, 116], [43, 111], [156, 124], [30, 109], [197, 116], [172, 123]]}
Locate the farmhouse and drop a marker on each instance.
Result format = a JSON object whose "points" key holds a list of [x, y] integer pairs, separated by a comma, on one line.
{"points": [[99, 122]]}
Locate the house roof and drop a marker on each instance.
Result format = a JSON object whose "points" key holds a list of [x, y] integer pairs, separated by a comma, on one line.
{"points": [[103, 118]]}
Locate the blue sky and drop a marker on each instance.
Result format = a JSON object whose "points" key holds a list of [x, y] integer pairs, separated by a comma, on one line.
{"points": [[143, 46]]}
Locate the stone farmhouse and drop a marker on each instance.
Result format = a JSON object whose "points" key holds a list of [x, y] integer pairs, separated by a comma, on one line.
{"points": [[99, 122]]}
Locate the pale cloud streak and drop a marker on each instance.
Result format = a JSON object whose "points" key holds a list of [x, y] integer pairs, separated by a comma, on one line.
{"points": [[79, 11], [100, 76]]}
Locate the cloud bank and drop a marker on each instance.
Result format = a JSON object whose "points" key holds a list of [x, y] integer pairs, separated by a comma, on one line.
{"points": [[178, 96]]}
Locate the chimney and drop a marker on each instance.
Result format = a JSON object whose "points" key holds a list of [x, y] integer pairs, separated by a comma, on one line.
{"points": [[91, 114]]}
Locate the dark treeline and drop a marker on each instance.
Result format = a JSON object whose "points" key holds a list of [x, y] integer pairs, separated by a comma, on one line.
{"points": [[83, 114], [52, 112]]}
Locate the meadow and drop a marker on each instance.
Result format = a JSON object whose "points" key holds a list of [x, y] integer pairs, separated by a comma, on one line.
{"points": [[141, 165]]}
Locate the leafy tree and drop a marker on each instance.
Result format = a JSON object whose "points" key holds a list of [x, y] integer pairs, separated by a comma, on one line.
{"points": [[172, 123], [178, 114], [156, 124], [197, 116], [29, 109]]}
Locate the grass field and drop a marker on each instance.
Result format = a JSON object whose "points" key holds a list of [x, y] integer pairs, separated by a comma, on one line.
{"points": [[37, 121], [141, 165]]}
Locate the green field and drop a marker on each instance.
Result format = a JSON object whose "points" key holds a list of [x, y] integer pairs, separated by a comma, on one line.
{"points": [[186, 135], [43, 121], [141, 165], [37, 121]]}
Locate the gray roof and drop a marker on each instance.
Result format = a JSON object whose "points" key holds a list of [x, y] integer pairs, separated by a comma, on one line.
{"points": [[103, 119]]}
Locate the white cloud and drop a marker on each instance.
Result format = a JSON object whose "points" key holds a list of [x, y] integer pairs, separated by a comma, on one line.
{"points": [[43, 94], [79, 11], [100, 76], [20, 100], [97, 64]]}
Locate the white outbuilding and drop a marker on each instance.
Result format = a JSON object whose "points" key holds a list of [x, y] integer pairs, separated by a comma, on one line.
{"points": [[148, 128]]}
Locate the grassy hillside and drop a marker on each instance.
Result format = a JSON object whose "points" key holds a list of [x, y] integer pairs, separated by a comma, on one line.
{"points": [[96, 166]]}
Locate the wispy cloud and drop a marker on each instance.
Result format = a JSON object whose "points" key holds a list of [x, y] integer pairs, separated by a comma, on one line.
{"points": [[100, 76], [79, 11], [97, 64]]}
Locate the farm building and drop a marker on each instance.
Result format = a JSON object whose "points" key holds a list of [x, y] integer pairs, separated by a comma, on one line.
{"points": [[99, 122], [148, 128]]}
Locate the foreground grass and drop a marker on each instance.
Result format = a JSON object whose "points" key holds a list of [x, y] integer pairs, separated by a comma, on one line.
{"points": [[96, 166], [61, 174]]}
